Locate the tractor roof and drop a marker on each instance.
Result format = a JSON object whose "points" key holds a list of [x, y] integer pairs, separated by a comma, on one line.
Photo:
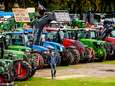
{"points": [[20, 48]]}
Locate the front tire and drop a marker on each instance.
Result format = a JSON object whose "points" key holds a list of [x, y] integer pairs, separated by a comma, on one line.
{"points": [[22, 70], [101, 54], [66, 57]]}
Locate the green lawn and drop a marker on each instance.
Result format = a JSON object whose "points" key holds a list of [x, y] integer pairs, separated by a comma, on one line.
{"points": [[68, 82], [109, 62]]}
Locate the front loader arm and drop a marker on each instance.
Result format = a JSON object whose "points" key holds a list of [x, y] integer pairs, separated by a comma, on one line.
{"points": [[39, 24]]}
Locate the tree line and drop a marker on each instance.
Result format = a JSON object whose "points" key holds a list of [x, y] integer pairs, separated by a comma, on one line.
{"points": [[74, 6]]}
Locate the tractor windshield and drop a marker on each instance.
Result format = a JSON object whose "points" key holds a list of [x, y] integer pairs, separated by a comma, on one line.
{"points": [[92, 34], [17, 39], [81, 34], [113, 33], [50, 36], [14, 39]]}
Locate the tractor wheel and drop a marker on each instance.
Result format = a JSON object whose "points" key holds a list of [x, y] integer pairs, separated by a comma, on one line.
{"points": [[2, 79], [10, 76], [33, 71], [102, 54], [91, 54], [87, 55], [66, 57], [22, 70], [72, 58], [39, 61], [109, 50], [76, 56], [58, 58], [5, 82], [45, 58]]}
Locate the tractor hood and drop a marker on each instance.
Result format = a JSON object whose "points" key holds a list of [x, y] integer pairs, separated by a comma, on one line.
{"points": [[68, 42], [19, 48], [39, 48], [19, 55], [110, 39], [90, 42], [56, 46]]}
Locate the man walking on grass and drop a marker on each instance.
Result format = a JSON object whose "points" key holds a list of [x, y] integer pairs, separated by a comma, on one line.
{"points": [[52, 61]]}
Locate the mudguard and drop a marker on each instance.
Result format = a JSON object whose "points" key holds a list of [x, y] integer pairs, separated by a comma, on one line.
{"points": [[57, 46]]}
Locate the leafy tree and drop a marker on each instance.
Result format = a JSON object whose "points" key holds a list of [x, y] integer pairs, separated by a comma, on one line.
{"points": [[72, 5]]}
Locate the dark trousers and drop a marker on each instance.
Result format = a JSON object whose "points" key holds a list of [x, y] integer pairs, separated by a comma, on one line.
{"points": [[53, 70]]}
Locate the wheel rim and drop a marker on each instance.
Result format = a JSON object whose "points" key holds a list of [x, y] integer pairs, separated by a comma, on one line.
{"points": [[2, 80], [21, 71]]}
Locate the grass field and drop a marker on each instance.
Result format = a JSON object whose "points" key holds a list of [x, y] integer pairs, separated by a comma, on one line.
{"points": [[109, 62], [69, 82]]}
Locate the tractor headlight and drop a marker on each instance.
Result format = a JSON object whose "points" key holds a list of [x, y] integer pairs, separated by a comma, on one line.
{"points": [[61, 49]]}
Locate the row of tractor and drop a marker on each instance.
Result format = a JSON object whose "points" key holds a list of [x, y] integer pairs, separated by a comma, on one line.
{"points": [[26, 49], [22, 54]]}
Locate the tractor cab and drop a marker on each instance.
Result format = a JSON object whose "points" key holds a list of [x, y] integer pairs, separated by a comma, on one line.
{"points": [[89, 34], [15, 38], [17, 41]]}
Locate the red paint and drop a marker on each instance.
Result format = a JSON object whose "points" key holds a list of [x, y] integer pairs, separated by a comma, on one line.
{"points": [[2, 80], [20, 71], [110, 39]]}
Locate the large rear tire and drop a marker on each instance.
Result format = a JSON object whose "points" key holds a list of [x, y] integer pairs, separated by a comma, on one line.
{"points": [[91, 54], [22, 70], [39, 60], [110, 51], [76, 56], [2, 79], [66, 57], [33, 71]]}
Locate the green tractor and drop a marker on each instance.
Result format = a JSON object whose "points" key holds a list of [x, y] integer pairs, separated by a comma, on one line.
{"points": [[16, 41], [6, 68], [97, 45], [78, 23], [24, 62], [7, 25], [105, 38]]}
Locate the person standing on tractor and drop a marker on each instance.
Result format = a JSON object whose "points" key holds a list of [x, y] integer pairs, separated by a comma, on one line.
{"points": [[60, 36]]}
